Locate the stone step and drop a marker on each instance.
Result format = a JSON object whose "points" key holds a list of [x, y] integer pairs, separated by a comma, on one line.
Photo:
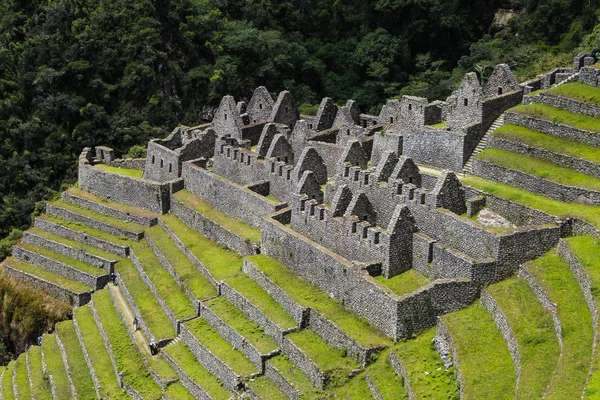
{"points": [[8, 392], [132, 370], [55, 367], [110, 208], [241, 332], [40, 385], [75, 359], [21, 377], [95, 220], [468, 167], [197, 379], [97, 358], [196, 286], [61, 265], [63, 288], [219, 357]]}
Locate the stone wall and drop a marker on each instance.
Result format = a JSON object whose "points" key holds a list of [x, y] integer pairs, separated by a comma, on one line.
{"points": [[330, 153], [574, 163], [212, 230], [590, 76], [302, 361], [234, 200], [81, 237], [277, 378], [194, 389], [440, 148], [565, 103], [124, 189], [401, 372], [544, 187]]}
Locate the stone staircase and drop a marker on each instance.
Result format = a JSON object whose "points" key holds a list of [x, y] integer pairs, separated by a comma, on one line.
{"points": [[468, 167]]}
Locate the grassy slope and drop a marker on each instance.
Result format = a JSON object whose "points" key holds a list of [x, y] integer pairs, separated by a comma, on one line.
{"points": [[119, 206], [63, 282], [56, 366], [77, 264], [578, 91], [40, 382], [120, 171], [7, 386], [22, 377], [559, 116], [405, 283]]}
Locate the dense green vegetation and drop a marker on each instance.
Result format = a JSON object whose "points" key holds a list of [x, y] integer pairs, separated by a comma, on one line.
{"points": [[79, 73]]}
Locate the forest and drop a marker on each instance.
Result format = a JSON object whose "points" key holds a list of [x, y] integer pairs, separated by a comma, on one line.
{"points": [[76, 73]]}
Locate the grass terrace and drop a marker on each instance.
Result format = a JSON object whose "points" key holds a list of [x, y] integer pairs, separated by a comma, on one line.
{"points": [[197, 283], [221, 263], [134, 173], [177, 391], [117, 223], [405, 283], [330, 360], [187, 361], [539, 168], [61, 281], [428, 377], [75, 191], [56, 367], [77, 264], [262, 300], [578, 91], [309, 296], [92, 340], [144, 299], [295, 377], [533, 328], [356, 388], [167, 287], [484, 360], [558, 116], [587, 250], [74, 244], [211, 340], [22, 377], [40, 383], [236, 226], [266, 389], [590, 214], [7, 382], [440, 125], [82, 380], [237, 320], [551, 143], [129, 361], [389, 384], [553, 274], [76, 226]]}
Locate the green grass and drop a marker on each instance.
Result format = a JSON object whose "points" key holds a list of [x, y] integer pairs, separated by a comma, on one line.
{"points": [[533, 328], [82, 380], [113, 204], [22, 377], [56, 367], [389, 384], [587, 250], [266, 389], [220, 262], [144, 299], [211, 340], [129, 360], [76, 226], [330, 360], [262, 300], [295, 377], [41, 384], [540, 168], [233, 225], [177, 391], [357, 388], [109, 387], [197, 283], [117, 223], [73, 243], [558, 116], [309, 296], [440, 125], [167, 287], [552, 273], [195, 371], [555, 144], [590, 214], [7, 386], [405, 283], [120, 171], [428, 377], [484, 360], [578, 91], [273, 199], [61, 281], [77, 264], [237, 320]]}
